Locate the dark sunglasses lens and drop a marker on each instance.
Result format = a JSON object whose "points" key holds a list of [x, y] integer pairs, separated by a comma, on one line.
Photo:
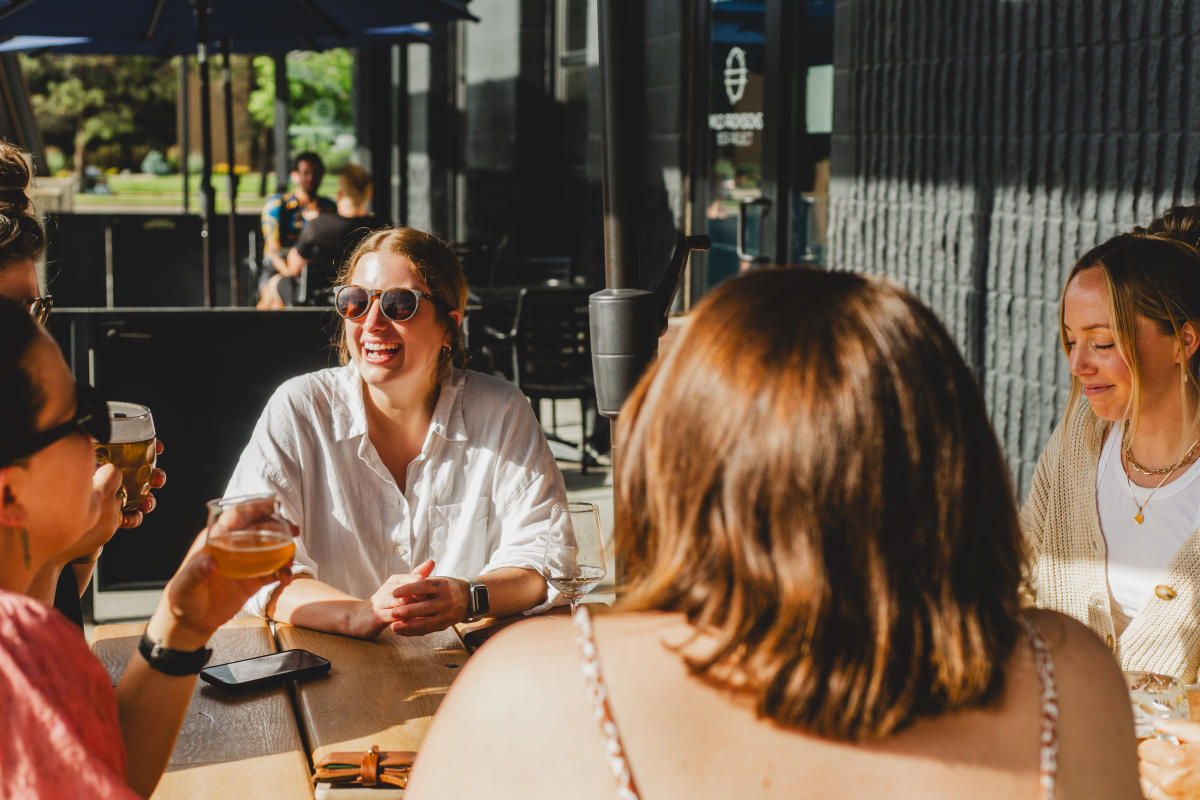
{"points": [[398, 304], [93, 410], [352, 302]]}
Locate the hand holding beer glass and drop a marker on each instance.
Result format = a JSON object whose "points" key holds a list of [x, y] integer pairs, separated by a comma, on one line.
{"points": [[247, 536], [131, 448]]}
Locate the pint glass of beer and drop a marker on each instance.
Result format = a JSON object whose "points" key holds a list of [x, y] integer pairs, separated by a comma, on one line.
{"points": [[131, 449], [247, 536]]}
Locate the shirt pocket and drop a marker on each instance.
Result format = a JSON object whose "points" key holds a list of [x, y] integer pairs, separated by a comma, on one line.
{"points": [[459, 538]]}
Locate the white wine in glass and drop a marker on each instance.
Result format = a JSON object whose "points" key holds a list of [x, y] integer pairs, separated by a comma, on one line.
{"points": [[574, 561]]}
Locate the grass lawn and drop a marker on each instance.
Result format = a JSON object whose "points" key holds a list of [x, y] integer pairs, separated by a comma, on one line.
{"points": [[165, 193]]}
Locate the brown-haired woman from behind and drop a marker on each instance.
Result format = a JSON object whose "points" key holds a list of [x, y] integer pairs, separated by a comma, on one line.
{"points": [[822, 557]]}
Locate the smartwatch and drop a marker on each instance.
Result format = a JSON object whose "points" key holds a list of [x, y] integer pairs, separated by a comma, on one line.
{"points": [[173, 662], [478, 602]]}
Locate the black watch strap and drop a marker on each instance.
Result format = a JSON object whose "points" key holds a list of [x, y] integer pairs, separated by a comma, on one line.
{"points": [[173, 662], [478, 600]]}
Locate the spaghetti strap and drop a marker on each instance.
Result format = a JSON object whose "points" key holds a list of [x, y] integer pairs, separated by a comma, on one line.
{"points": [[1048, 752], [614, 751], [623, 773]]}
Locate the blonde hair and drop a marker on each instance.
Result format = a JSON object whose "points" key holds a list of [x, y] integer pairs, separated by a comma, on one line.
{"points": [[1155, 276]]}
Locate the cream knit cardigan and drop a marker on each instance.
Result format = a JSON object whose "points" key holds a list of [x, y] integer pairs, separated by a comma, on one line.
{"points": [[1067, 565]]}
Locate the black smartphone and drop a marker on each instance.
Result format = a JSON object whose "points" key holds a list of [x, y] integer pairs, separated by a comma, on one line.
{"points": [[254, 672]]}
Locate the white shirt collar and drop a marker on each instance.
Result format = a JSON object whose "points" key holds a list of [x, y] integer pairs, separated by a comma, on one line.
{"points": [[350, 420]]}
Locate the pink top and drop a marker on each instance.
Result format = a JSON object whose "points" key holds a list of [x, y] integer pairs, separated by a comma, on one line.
{"points": [[59, 734]]}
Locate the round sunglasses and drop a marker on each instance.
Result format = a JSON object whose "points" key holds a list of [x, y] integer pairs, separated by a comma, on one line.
{"points": [[399, 305]]}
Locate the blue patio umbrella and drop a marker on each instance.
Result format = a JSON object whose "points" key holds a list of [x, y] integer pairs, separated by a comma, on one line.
{"points": [[295, 24], [167, 27]]}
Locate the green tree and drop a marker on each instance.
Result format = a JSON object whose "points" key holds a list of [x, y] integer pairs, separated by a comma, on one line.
{"points": [[128, 101], [319, 92]]}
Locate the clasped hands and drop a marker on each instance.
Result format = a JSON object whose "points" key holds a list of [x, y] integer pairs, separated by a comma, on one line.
{"points": [[414, 604]]}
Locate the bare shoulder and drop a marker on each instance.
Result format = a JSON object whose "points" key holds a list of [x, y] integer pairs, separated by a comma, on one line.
{"points": [[1074, 647], [1097, 751], [1084, 664], [521, 692]]}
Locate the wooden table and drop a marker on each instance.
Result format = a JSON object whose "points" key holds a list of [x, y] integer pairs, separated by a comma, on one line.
{"points": [[382, 692], [246, 745]]}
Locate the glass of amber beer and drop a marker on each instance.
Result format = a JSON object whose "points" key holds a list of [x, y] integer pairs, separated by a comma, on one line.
{"points": [[247, 536], [130, 449]]}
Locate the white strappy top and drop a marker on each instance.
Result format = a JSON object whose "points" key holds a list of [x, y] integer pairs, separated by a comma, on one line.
{"points": [[627, 789]]}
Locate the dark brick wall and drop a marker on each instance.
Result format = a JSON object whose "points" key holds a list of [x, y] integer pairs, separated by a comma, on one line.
{"points": [[980, 147]]}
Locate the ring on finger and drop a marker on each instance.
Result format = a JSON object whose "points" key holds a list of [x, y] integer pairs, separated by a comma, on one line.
{"points": [[122, 495]]}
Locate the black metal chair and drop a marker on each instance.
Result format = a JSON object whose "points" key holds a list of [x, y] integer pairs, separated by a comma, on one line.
{"points": [[551, 351]]}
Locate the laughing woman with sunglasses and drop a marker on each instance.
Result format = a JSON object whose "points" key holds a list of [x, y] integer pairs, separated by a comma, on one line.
{"points": [[422, 490], [67, 731]]}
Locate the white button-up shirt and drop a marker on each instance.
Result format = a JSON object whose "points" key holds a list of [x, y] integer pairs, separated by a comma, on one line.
{"points": [[477, 498]]}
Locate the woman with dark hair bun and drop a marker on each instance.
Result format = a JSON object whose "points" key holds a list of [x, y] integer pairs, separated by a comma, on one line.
{"points": [[68, 732], [22, 243], [822, 559]]}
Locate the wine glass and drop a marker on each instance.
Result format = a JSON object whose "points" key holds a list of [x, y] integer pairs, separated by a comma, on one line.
{"points": [[1154, 697], [574, 561]]}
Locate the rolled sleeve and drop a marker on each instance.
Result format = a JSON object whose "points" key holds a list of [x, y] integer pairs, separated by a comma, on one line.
{"points": [[528, 493]]}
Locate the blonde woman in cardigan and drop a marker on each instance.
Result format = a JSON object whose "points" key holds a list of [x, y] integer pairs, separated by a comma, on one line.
{"points": [[1111, 519]]}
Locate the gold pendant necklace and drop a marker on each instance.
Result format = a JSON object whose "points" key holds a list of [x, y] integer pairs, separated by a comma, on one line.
{"points": [[1139, 518]]}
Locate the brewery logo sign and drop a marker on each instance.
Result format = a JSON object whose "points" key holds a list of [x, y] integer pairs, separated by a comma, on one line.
{"points": [[735, 75]]}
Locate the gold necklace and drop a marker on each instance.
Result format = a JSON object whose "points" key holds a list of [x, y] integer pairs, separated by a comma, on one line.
{"points": [[1139, 518], [1188, 457]]}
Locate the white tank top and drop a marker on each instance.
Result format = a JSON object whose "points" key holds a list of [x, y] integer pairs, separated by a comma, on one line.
{"points": [[1138, 554]]}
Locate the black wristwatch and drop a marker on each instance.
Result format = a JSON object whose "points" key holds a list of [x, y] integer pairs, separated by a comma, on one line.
{"points": [[478, 602], [173, 662]]}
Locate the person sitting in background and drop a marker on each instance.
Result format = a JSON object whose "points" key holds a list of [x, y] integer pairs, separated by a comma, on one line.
{"points": [[66, 733], [327, 240], [1111, 520], [22, 243], [822, 559], [401, 460], [283, 218]]}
